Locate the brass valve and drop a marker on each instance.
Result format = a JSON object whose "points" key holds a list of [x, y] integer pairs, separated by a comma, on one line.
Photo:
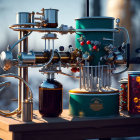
{"points": [[41, 13]]}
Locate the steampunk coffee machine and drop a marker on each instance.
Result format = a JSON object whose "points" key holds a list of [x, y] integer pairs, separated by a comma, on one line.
{"points": [[95, 58]]}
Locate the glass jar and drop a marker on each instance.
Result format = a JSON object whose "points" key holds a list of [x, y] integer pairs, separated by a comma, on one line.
{"points": [[123, 94], [50, 98], [134, 92]]}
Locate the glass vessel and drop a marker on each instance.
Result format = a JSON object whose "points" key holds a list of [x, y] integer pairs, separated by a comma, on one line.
{"points": [[50, 98], [134, 92]]}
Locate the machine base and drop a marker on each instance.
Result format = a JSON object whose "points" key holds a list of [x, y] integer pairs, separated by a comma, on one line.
{"points": [[93, 104]]}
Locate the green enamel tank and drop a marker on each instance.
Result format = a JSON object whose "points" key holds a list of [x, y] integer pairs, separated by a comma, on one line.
{"points": [[93, 104], [99, 29]]}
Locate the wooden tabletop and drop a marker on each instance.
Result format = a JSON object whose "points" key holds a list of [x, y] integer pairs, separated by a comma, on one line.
{"points": [[68, 127]]}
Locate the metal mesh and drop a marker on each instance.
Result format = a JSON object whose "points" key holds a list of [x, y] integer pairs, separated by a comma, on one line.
{"points": [[95, 78]]}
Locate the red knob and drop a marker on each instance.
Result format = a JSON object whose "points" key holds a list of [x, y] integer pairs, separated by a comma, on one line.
{"points": [[88, 42], [74, 70], [94, 47], [82, 43], [78, 70]]}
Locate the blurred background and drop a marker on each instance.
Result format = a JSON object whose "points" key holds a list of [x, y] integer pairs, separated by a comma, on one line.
{"points": [[127, 10]]}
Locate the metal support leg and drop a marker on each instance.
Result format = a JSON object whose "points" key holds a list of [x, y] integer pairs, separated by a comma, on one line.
{"points": [[27, 107], [25, 70], [19, 73]]}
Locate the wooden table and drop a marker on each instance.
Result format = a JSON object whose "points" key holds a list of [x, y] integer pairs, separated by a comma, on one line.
{"points": [[66, 127]]}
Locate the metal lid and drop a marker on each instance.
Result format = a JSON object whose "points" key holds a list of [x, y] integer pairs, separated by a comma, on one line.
{"points": [[133, 72], [51, 9], [83, 91], [96, 17], [49, 36], [23, 13], [124, 80]]}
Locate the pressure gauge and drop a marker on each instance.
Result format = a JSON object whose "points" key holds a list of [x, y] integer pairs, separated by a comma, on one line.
{"points": [[6, 60]]}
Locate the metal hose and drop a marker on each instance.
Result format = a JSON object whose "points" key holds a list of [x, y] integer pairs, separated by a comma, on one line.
{"points": [[42, 65], [8, 114], [126, 33], [12, 47], [128, 48], [69, 75], [16, 111]]}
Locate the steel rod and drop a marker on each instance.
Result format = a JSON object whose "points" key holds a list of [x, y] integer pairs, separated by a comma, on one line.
{"points": [[48, 44], [109, 76], [106, 76], [80, 78], [25, 69], [84, 78], [96, 78], [19, 73], [88, 78], [87, 8], [45, 44], [99, 76], [92, 78], [102, 78], [45, 30]]}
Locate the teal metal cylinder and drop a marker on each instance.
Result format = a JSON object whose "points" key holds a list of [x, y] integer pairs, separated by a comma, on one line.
{"points": [[93, 104], [95, 23], [97, 29]]}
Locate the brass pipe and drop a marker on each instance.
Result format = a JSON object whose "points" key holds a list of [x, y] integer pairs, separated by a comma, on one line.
{"points": [[43, 30], [44, 57], [8, 114], [25, 24], [21, 39]]}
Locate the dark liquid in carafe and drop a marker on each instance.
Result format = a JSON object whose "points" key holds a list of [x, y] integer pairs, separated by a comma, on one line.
{"points": [[50, 100]]}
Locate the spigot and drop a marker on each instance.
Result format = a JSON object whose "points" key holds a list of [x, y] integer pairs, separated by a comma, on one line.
{"points": [[41, 17], [41, 13]]}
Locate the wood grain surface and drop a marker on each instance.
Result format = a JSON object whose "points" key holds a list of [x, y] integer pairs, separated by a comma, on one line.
{"points": [[67, 127]]}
